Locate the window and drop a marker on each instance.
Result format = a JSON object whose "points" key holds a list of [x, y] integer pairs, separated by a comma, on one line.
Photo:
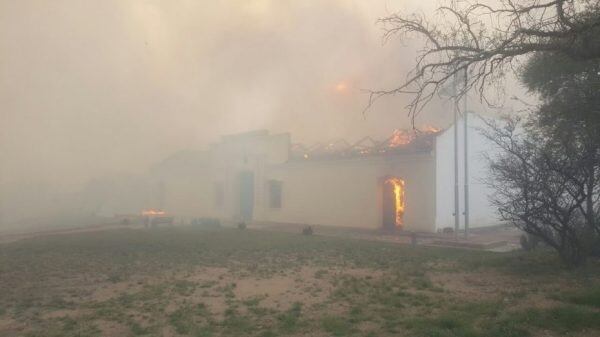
{"points": [[275, 193], [219, 194]]}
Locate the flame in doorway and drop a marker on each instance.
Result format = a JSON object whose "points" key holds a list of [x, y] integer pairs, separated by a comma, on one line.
{"points": [[398, 185]]}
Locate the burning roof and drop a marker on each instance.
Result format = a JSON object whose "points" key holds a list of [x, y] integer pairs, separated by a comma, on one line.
{"points": [[399, 142]]}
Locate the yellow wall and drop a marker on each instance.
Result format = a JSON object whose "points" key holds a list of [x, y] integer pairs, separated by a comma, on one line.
{"points": [[349, 192]]}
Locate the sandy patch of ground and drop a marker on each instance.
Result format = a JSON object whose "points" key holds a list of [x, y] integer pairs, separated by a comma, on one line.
{"points": [[73, 313], [104, 291], [217, 287], [498, 287], [476, 286], [111, 328], [9, 324], [108, 291]]}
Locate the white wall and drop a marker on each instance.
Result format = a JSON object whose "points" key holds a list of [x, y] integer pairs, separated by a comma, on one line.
{"points": [[348, 192], [251, 151], [481, 212]]}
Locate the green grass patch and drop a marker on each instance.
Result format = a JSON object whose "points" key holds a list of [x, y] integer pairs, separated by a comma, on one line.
{"points": [[566, 318], [190, 319], [289, 320], [589, 296], [336, 326]]}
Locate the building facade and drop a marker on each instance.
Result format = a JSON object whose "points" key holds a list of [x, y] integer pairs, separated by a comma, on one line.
{"points": [[264, 178]]}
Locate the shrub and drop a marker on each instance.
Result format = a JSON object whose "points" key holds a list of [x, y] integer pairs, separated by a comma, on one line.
{"points": [[336, 326], [529, 242], [448, 230], [308, 230], [288, 321]]}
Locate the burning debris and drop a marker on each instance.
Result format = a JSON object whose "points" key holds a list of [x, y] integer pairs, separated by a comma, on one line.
{"points": [[401, 137], [155, 217], [152, 212]]}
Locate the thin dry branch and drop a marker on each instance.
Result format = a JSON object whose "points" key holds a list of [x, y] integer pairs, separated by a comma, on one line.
{"points": [[486, 40]]}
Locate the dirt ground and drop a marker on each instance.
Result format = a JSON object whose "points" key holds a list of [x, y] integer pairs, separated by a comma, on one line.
{"points": [[496, 238], [228, 282]]}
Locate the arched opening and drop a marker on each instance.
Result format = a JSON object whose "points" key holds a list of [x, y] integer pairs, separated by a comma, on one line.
{"points": [[393, 203]]}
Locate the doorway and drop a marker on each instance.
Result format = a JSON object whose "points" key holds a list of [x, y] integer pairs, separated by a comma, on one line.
{"points": [[393, 203], [246, 195]]}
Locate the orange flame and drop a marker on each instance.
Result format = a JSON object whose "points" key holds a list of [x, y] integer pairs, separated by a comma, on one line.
{"points": [[430, 129], [341, 87], [148, 212], [401, 137], [398, 185]]}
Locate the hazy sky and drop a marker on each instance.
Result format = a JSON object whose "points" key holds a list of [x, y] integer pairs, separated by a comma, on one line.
{"points": [[93, 87]]}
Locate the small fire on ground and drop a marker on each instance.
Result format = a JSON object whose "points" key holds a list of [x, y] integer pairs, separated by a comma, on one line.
{"points": [[153, 212]]}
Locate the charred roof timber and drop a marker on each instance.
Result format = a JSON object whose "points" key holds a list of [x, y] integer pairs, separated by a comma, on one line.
{"points": [[400, 142]]}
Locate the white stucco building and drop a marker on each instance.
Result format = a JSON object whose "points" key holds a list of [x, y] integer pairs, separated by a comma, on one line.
{"points": [[260, 177]]}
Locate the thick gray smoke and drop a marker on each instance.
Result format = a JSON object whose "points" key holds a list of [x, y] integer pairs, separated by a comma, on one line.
{"points": [[90, 89]]}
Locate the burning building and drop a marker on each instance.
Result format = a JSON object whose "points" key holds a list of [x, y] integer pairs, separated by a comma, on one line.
{"points": [[404, 182]]}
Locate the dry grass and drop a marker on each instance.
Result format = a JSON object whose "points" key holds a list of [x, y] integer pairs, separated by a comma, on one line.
{"points": [[192, 282]]}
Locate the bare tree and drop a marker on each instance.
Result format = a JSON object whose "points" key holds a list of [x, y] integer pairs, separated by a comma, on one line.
{"points": [[486, 39]]}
